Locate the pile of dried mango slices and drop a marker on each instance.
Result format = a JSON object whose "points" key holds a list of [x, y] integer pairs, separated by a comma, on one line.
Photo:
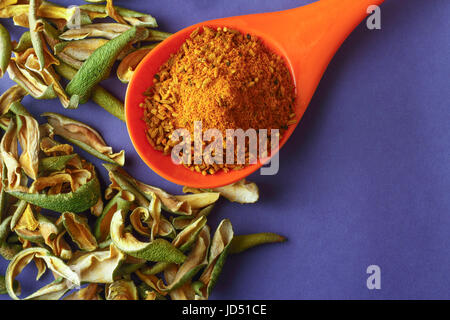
{"points": [[133, 242]]}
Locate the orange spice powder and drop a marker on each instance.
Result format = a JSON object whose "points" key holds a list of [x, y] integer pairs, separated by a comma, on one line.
{"points": [[224, 79]]}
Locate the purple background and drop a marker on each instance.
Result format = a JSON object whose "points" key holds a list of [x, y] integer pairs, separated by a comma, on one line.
{"points": [[365, 179]]}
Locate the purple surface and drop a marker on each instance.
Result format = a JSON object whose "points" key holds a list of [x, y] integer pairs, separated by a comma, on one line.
{"points": [[365, 179]]}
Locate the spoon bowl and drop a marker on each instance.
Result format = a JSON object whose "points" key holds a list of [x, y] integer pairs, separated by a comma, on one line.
{"points": [[306, 38]]}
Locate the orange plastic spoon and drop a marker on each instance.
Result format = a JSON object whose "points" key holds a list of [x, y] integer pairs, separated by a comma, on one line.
{"points": [[307, 37]]}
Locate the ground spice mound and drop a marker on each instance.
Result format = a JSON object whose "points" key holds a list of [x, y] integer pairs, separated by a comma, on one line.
{"points": [[226, 80]]}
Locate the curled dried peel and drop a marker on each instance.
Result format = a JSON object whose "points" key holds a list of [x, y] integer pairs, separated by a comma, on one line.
{"points": [[52, 291], [220, 243], [134, 18], [30, 81], [80, 49], [90, 292], [28, 135], [46, 10], [27, 221], [196, 260], [79, 231], [23, 44], [200, 200], [155, 224], [185, 292], [54, 164], [121, 290], [184, 241], [242, 191], [156, 250], [83, 136], [126, 68], [5, 49], [181, 222], [52, 148], [10, 156], [100, 30], [13, 94], [121, 201], [36, 28], [119, 178], [111, 11], [21, 260], [186, 238], [53, 236], [98, 266], [76, 52], [242, 243], [78, 201], [6, 3], [40, 82], [151, 281]]}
